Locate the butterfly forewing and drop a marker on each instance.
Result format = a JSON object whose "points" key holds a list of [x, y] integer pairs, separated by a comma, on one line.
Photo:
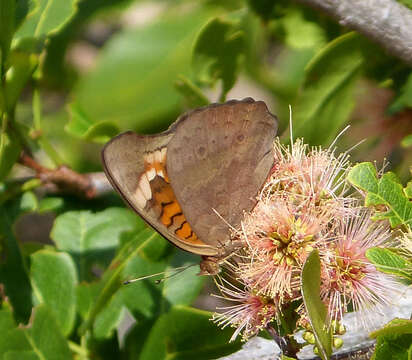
{"points": [[217, 162]]}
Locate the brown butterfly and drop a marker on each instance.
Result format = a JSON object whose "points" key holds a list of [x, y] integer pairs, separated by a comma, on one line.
{"points": [[193, 180]]}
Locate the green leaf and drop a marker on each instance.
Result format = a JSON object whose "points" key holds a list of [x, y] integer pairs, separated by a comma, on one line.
{"points": [[50, 204], [389, 262], [13, 271], [394, 340], [407, 141], [216, 53], [82, 231], [263, 8], [41, 339], [53, 277], [7, 18], [186, 333], [112, 279], [408, 190], [132, 84], [182, 289], [327, 97], [92, 237], [10, 149], [22, 67], [299, 32], [13, 340], [6, 318], [21, 355], [109, 318], [24, 8], [45, 337], [314, 306], [394, 327], [385, 191], [193, 95], [80, 126], [48, 17], [407, 3], [404, 99]]}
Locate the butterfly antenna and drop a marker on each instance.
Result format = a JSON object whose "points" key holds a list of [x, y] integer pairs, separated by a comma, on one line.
{"points": [[176, 271]]}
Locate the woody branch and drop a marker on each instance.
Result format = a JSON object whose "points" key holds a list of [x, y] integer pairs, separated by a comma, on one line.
{"points": [[386, 22], [64, 179]]}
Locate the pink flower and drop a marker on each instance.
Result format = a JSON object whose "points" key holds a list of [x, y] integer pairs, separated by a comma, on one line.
{"points": [[349, 278], [249, 315]]}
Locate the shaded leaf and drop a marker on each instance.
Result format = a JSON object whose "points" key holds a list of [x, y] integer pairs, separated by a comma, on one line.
{"points": [[45, 336], [389, 262], [263, 8], [186, 333], [53, 277], [13, 272], [385, 191], [394, 327], [407, 141], [193, 95], [82, 127], [315, 308], [183, 288], [132, 84], [82, 231], [7, 18], [216, 53], [24, 8], [22, 66], [408, 190], [327, 97], [10, 149], [393, 340], [112, 278], [404, 99], [46, 18]]}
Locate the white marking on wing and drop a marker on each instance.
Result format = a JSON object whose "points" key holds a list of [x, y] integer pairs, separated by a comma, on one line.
{"points": [[151, 174], [145, 187], [158, 156], [139, 198]]}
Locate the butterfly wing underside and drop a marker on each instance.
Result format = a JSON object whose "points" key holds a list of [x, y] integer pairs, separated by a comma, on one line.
{"points": [[136, 167], [218, 161]]}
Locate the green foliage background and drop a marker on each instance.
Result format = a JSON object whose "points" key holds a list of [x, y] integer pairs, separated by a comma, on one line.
{"points": [[64, 284]]}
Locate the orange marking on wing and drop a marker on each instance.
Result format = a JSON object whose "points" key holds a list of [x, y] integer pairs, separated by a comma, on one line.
{"points": [[185, 231], [164, 199], [170, 210]]}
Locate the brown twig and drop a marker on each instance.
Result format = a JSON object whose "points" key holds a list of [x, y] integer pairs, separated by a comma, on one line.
{"points": [[386, 22], [65, 180]]}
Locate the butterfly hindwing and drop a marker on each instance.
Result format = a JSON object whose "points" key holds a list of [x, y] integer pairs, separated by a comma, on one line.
{"points": [[136, 167]]}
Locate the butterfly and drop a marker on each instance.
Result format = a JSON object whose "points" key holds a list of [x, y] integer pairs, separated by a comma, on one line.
{"points": [[194, 181]]}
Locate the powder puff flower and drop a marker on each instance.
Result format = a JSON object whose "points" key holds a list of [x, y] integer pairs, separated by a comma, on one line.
{"points": [[250, 314], [349, 278]]}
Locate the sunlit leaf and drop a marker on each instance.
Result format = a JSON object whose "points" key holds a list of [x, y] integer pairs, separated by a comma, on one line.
{"points": [[132, 84], [216, 53], [389, 262], [327, 97], [187, 333], [53, 277], [385, 191], [82, 127], [315, 308], [47, 17]]}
